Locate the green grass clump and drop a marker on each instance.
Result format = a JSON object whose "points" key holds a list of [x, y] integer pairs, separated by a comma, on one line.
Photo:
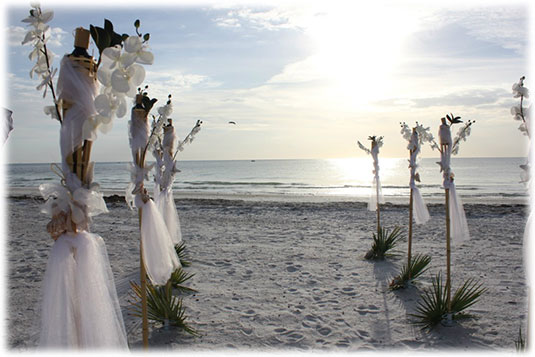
{"points": [[433, 308], [382, 243], [417, 266], [162, 307], [520, 343], [183, 256], [178, 278]]}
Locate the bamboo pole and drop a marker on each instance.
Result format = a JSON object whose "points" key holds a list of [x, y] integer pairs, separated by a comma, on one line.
{"points": [[409, 248], [140, 162], [378, 209], [143, 282], [448, 251]]}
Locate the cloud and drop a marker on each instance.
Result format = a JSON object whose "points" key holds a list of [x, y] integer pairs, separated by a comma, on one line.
{"points": [[56, 36]]}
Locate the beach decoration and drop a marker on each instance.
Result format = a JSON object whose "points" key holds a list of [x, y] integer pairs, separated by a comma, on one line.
{"points": [[80, 307], [383, 240], [438, 305], [417, 266], [165, 152], [8, 124], [522, 114], [158, 259]]}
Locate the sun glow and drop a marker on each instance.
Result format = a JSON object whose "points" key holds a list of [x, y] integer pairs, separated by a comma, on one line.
{"points": [[358, 49]]}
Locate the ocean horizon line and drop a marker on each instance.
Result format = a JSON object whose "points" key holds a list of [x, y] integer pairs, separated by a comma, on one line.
{"points": [[286, 159]]}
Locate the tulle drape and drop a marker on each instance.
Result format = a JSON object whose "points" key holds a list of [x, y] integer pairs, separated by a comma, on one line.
{"points": [[421, 214], [77, 90], [80, 307], [376, 194], [166, 205], [159, 254], [158, 250], [458, 225]]}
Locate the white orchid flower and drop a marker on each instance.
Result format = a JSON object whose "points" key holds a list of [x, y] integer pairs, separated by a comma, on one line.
{"points": [[47, 79], [126, 80], [134, 45], [39, 17]]}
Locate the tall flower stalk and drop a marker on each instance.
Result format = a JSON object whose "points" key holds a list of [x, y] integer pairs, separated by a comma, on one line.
{"points": [[38, 36]]}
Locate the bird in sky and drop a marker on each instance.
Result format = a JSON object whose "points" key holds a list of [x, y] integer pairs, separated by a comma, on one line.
{"points": [[232, 122]]}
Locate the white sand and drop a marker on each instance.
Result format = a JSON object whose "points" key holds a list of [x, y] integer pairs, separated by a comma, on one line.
{"points": [[291, 275]]}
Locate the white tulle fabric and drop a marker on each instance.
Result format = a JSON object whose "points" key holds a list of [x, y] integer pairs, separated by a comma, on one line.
{"points": [[421, 214], [163, 194], [77, 89], [459, 227], [80, 308], [376, 194], [80, 304], [158, 250]]}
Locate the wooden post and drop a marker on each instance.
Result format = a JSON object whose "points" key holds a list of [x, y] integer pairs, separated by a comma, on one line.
{"points": [[448, 251], [374, 143], [409, 249], [140, 162], [143, 283]]}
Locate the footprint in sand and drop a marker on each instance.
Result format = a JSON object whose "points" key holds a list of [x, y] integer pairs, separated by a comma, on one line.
{"points": [[324, 331], [370, 309]]}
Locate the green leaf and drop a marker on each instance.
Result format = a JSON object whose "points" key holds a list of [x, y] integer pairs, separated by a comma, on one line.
{"points": [[146, 37], [137, 23]]}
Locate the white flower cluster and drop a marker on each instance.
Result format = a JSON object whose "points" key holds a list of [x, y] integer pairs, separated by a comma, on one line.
{"points": [[120, 74], [189, 138], [424, 135], [157, 124], [462, 134], [520, 112], [43, 57]]}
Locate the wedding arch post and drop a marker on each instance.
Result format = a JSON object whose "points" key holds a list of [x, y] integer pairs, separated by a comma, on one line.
{"points": [[140, 115], [377, 187], [80, 307], [409, 243], [445, 150]]}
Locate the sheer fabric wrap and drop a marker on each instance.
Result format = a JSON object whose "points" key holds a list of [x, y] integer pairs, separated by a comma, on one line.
{"points": [[376, 194], [77, 90], [80, 307], [158, 250], [163, 196], [421, 214], [458, 225]]}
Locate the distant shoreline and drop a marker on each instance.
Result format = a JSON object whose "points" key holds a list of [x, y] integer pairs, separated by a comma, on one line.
{"points": [[117, 195]]}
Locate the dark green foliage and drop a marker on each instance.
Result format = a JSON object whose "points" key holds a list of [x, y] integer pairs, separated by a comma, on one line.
{"points": [[383, 242], [418, 265], [453, 119], [105, 37], [182, 253], [433, 307], [162, 307], [520, 343], [178, 278]]}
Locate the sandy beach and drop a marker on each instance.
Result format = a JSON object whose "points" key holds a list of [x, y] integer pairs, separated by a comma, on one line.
{"points": [[288, 275]]}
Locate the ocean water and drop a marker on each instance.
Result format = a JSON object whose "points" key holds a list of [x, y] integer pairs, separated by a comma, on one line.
{"points": [[477, 179]]}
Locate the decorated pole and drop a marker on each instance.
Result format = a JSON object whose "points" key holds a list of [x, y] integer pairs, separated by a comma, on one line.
{"points": [[456, 225], [409, 240], [375, 197], [80, 307], [158, 259], [139, 115]]}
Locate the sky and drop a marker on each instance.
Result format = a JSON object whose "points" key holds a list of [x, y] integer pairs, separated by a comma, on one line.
{"points": [[302, 79]]}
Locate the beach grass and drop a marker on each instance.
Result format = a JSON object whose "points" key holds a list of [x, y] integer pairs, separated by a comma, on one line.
{"points": [[432, 309], [162, 307], [410, 271], [383, 242]]}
